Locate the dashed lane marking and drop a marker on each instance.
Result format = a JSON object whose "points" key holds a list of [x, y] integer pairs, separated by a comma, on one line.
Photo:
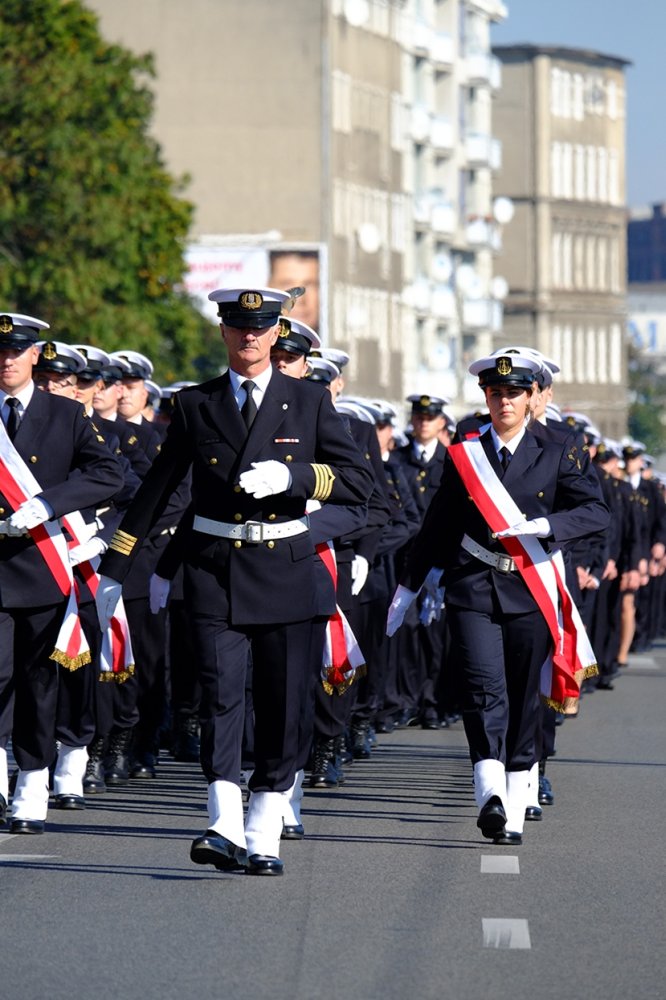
{"points": [[505, 933], [495, 864]]}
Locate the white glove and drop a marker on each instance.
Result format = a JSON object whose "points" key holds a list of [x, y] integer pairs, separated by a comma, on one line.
{"points": [[433, 597], [402, 601], [95, 546], [158, 593], [266, 478], [359, 574], [106, 599], [29, 515], [540, 527]]}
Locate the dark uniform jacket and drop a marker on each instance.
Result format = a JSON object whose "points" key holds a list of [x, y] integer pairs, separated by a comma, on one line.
{"points": [[544, 482], [272, 581], [74, 468]]}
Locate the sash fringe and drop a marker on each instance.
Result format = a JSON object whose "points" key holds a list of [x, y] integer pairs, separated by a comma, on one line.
{"points": [[359, 672], [118, 677], [70, 662]]}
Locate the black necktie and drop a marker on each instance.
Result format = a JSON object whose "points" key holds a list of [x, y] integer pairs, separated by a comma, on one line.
{"points": [[13, 420], [249, 408], [505, 458]]}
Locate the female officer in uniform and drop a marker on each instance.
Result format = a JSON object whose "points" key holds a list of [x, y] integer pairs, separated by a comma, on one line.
{"points": [[499, 633]]}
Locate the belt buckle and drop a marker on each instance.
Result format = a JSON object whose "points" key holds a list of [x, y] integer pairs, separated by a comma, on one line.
{"points": [[504, 564], [253, 532]]}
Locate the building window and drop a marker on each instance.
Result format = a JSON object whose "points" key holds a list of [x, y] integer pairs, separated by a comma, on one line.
{"points": [[591, 357], [556, 170], [602, 355], [555, 92], [615, 372], [567, 354], [579, 258], [603, 173], [566, 102], [579, 172], [613, 178], [590, 264], [591, 157], [567, 170], [615, 266], [567, 261], [580, 356], [556, 260], [611, 99], [602, 264], [578, 97]]}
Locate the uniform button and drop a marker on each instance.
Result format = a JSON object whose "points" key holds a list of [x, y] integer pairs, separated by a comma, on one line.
{"points": [[2, 510], [422, 489], [238, 517], [540, 493], [212, 461], [469, 497], [288, 458], [237, 544], [33, 459], [270, 545], [271, 517], [367, 456], [237, 488]]}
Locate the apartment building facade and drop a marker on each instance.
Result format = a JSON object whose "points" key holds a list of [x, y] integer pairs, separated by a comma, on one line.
{"points": [[561, 114], [358, 132]]}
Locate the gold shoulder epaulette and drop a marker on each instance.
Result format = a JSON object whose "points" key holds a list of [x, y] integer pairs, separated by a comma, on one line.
{"points": [[122, 542], [133, 439], [324, 480]]}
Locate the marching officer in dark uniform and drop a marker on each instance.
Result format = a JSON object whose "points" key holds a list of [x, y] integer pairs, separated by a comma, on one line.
{"points": [[57, 465], [499, 632], [420, 650], [259, 445]]}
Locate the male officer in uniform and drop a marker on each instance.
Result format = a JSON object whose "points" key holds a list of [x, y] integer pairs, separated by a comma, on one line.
{"points": [[53, 465], [260, 445]]}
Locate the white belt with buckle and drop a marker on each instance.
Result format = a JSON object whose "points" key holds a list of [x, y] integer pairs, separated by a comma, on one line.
{"points": [[251, 531], [505, 564]]}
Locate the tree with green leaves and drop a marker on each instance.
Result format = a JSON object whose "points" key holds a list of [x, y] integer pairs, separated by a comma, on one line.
{"points": [[647, 394], [92, 226]]}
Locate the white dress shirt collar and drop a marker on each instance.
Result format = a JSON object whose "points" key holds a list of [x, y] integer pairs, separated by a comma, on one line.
{"points": [[261, 382], [511, 445], [24, 396]]}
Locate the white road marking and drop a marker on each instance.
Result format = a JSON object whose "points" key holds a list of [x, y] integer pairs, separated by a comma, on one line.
{"points": [[496, 864], [4, 858], [505, 933]]}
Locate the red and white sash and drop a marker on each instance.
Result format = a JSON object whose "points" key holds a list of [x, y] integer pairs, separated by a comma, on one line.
{"points": [[18, 484], [343, 661], [116, 656], [572, 658]]}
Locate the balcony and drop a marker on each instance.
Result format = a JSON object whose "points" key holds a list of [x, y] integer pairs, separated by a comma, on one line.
{"points": [[442, 134], [482, 150], [443, 217], [443, 51], [420, 123], [482, 68], [481, 232], [422, 39], [418, 295], [443, 303], [482, 314]]}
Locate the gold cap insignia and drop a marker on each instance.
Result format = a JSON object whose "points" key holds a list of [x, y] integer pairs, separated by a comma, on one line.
{"points": [[251, 300], [424, 401], [49, 351], [284, 327], [503, 366], [83, 351], [6, 325]]}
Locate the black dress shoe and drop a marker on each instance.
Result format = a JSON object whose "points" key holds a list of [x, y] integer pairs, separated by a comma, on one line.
{"points": [[264, 864], [385, 726], [430, 722], [3, 809], [408, 717], [533, 813], [214, 849], [69, 802], [508, 838], [546, 796], [295, 832], [27, 826], [605, 684], [492, 818]]}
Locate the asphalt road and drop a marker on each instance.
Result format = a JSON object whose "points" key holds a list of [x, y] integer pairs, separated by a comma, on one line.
{"points": [[393, 894]]}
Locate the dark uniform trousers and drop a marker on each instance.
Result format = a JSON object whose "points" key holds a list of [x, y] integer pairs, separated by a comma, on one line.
{"points": [[241, 595], [498, 636], [74, 469]]}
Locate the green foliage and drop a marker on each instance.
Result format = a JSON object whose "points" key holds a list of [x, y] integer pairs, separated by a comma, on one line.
{"points": [[92, 226], [647, 386]]}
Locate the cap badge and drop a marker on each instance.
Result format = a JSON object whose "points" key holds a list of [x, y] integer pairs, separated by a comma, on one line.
{"points": [[424, 401], [49, 351], [83, 351], [503, 366], [251, 300], [284, 328], [6, 325]]}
